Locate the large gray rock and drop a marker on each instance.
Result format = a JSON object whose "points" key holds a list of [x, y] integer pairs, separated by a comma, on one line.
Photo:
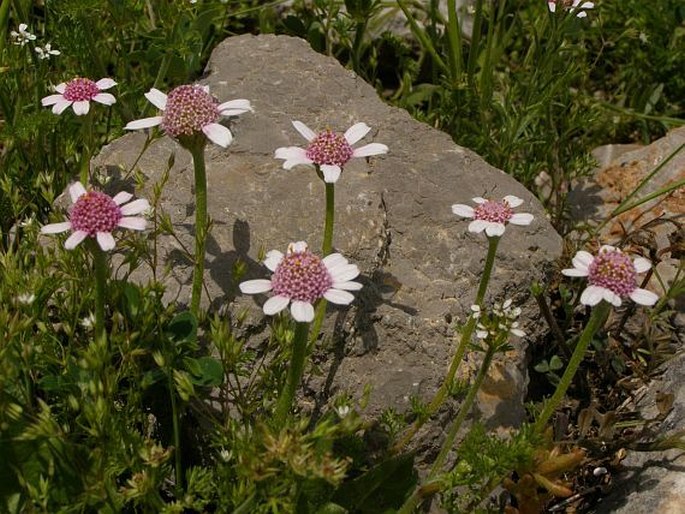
{"points": [[654, 482], [420, 266]]}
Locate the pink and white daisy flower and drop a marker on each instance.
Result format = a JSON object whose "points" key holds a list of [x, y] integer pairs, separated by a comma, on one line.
{"points": [[571, 5], [329, 150], [96, 214], [300, 278], [493, 216], [611, 276], [190, 110], [78, 93]]}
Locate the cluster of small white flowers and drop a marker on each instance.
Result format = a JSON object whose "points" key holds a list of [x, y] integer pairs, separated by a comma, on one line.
{"points": [[46, 51], [501, 320], [22, 36]]}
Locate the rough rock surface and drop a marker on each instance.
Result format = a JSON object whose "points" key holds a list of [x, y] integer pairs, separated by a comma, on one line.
{"points": [[420, 266], [654, 482]]}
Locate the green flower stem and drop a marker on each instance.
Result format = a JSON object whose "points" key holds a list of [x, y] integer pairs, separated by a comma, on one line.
{"points": [[487, 271], [597, 319], [101, 271], [178, 464], [198, 153], [464, 410], [4, 15], [466, 334], [295, 372], [88, 143], [326, 249], [329, 221]]}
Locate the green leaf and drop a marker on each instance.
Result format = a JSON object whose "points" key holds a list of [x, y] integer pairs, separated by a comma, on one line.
{"points": [[205, 371], [332, 508], [132, 295], [555, 363], [183, 328], [381, 488], [541, 367]]}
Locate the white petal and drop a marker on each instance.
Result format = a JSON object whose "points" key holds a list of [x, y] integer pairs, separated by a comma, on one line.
{"points": [[255, 286], [61, 106], [234, 107], [156, 98], [275, 304], [344, 273], [552, 6], [582, 260], [302, 311], [273, 259], [298, 247], [477, 226], [574, 272], [334, 259], [521, 218], [51, 100], [356, 132], [122, 197], [61, 87], [347, 286], [643, 297], [479, 199], [55, 228], [135, 207], [592, 295], [513, 201], [331, 173], [82, 107], [494, 229], [76, 191], [608, 248], [304, 130], [105, 83], [641, 264], [143, 123], [338, 296], [293, 156], [218, 134], [105, 240], [612, 298], [581, 14], [105, 99], [74, 239], [133, 223], [369, 150], [463, 210]]}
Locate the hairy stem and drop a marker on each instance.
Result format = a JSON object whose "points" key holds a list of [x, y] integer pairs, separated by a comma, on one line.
{"points": [[295, 372], [464, 340], [198, 154], [596, 321]]}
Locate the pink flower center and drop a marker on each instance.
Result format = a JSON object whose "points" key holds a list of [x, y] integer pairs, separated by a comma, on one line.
{"points": [[80, 89], [95, 212], [329, 148], [614, 271], [301, 276], [495, 212], [188, 109]]}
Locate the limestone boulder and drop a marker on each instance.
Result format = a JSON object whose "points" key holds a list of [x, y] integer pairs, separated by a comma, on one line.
{"points": [[420, 267]]}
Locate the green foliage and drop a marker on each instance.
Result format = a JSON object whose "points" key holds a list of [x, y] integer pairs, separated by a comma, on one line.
{"points": [[174, 413]]}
